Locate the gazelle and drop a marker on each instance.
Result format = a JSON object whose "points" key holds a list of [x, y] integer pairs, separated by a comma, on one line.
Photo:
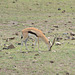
{"points": [[38, 33]]}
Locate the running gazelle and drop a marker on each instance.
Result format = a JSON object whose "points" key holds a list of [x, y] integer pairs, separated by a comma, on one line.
{"points": [[38, 33]]}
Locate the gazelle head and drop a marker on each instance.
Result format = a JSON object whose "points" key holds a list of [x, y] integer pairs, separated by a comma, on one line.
{"points": [[51, 44]]}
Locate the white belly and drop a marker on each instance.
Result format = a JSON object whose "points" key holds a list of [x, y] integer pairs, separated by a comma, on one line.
{"points": [[31, 35]]}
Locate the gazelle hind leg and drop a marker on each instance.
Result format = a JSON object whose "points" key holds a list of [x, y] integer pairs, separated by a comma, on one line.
{"points": [[24, 38], [21, 45], [25, 43], [38, 43]]}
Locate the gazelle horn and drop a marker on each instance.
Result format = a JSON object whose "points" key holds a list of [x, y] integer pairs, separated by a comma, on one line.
{"points": [[52, 43]]}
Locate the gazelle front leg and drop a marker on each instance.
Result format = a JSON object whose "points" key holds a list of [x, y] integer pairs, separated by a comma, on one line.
{"points": [[26, 43], [37, 39], [38, 46]]}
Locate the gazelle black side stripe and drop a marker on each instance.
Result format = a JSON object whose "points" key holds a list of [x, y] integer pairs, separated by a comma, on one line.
{"points": [[33, 33]]}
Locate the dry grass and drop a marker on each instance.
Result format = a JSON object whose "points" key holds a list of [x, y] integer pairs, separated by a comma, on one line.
{"points": [[16, 15]]}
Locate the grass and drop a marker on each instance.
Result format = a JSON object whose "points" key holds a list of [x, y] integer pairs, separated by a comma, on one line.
{"points": [[16, 15]]}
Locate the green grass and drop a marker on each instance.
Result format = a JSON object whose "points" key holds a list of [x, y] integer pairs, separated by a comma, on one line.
{"points": [[25, 12]]}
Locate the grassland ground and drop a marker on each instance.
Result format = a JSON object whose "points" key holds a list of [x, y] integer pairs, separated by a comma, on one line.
{"points": [[54, 18]]}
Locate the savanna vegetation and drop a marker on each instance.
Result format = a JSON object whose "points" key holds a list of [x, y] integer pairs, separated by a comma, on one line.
{"points": [[54, 18]]}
